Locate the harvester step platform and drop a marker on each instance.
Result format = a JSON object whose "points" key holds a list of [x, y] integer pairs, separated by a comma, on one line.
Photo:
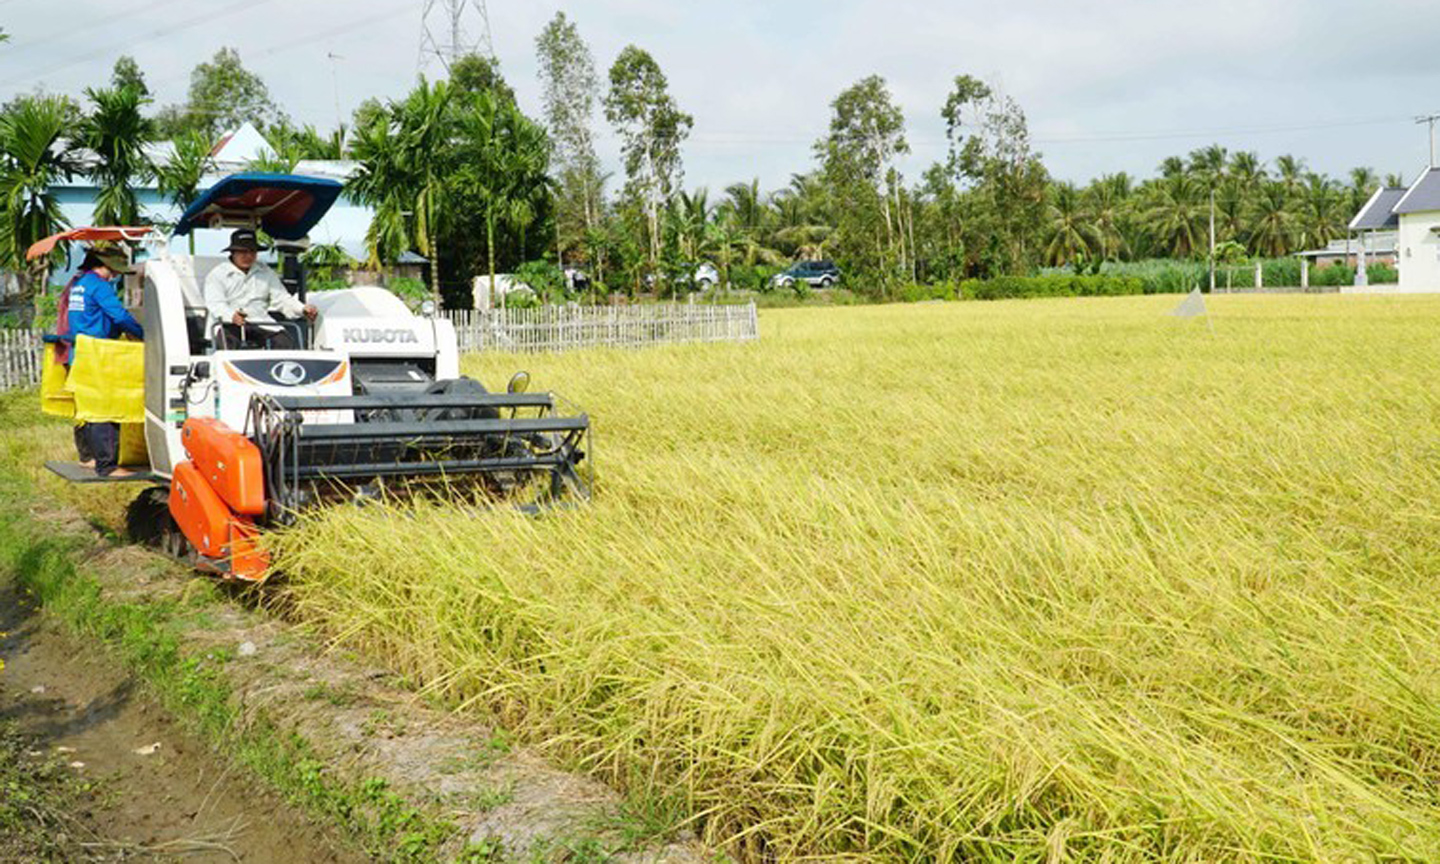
{"points": [[77, 473]]}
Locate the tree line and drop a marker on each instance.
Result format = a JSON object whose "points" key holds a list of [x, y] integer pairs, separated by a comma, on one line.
{"points": [[456, 171]]}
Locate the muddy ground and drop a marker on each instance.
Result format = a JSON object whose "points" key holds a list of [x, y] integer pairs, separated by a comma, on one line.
{"points": [[173, 802], [364, 725]]}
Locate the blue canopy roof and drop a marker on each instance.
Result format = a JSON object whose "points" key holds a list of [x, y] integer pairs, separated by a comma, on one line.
{"points": [[285, 206]]}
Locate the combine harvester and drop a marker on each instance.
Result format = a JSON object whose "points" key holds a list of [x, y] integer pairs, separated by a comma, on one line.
{"points": [[372, 404]]}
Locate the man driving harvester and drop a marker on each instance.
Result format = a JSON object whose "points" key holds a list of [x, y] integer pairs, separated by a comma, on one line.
{"points": [[242, 292]]}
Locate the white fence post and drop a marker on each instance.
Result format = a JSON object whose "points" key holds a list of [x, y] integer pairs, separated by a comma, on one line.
{"points": [[19, 358]]}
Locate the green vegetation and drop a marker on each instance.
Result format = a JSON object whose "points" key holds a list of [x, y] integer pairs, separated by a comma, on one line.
{"points": [[145, 636], [38, 797], [457, 171], [1023, 581]]}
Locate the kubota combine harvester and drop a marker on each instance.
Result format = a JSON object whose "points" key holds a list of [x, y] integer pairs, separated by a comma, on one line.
{"points": [[372, 403]]}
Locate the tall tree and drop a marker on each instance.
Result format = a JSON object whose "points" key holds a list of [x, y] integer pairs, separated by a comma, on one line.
{"points": [[1363, 183], [1273, 223], [1072, 236], [571, 88], [475, 73], [223, 94], [867, 135], [503, 156], [990, 153], [1178, 214], [33, 160], [652, 128], [126, 73], [406, 161], [117, 133]]}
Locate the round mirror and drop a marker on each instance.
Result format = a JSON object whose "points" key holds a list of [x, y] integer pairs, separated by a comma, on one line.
{"points": [[427, 308], [519, 382]]}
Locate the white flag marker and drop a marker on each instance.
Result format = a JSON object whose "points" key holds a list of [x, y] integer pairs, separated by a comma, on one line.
{"points": [[1193, 306]]}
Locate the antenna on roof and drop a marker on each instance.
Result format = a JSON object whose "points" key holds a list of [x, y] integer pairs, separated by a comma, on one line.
{"points": [[1430, 119]]}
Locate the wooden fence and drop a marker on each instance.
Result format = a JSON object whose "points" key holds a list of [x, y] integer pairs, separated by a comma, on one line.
{"points": [[562, 328], [19, 358], [545, 328]]}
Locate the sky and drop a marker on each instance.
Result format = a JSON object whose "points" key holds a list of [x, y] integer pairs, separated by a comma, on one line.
{"points": [[1107, 87]]}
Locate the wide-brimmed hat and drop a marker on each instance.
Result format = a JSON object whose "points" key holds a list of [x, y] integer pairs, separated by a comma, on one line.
{"points": [[244, 238], [112, 258]]}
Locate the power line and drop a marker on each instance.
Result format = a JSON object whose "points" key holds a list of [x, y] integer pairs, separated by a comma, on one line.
{"points": [[723, 138], [310, 39], [19, 45], [207, 17]]}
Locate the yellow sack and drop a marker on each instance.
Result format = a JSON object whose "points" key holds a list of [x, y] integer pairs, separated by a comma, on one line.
{"points": [[54, 398], [133, 451], [107, 378]]}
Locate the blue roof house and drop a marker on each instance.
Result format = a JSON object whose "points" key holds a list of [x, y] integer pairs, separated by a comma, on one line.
{"points": [[345, 224]]}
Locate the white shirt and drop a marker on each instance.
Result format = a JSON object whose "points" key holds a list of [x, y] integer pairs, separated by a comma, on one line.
{"points": [[229, 289]]}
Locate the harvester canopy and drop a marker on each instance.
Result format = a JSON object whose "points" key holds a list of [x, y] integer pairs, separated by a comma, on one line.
{"points": [[285, 206]]}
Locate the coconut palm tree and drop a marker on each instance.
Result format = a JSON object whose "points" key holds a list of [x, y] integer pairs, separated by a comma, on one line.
{"points": [[693, 211], [33, 159], [1321, 216], [1363, 183], [1291, 171], [1178, 214], [749, 209], [117, 133], [1071, 234], [1106, 201], [1209, 165], [1272, 223], [1246, 173]]}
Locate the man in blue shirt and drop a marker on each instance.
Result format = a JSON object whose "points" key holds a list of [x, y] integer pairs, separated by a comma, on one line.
{"points": [[95, 310]]}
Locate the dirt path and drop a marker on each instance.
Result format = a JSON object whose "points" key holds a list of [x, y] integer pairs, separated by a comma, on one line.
{"points": [[175, 803]]}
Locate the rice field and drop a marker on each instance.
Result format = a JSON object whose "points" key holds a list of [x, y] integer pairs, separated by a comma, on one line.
{"points": [[1042, 581]]}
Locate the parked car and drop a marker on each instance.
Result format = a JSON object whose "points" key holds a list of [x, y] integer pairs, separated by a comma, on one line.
{"points": [[699, 276], [507, 288], [816, 274]]}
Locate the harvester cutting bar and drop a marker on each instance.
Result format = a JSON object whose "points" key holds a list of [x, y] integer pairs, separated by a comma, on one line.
{"points": [[414, 431], [503, 440], [408, 402]]}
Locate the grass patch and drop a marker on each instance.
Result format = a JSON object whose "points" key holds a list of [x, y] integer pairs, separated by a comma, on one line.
{"points": [[145, 636], [38, 795], [1024, 581]]}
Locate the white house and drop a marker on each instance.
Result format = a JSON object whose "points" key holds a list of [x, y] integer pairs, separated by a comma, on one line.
{"points": [[1418, 243], [1413, 214]]}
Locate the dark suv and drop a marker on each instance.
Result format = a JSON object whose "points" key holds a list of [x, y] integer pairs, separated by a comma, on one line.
{"points": [[816, 274]]}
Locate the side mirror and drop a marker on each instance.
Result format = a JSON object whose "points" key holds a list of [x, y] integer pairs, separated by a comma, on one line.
{"points": [[519, 383], [428, 308]]}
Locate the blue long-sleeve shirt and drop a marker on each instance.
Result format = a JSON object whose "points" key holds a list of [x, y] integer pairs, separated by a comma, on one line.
{"points": [[96, 311]]}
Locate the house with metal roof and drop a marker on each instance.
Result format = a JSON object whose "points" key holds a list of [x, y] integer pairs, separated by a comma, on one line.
{"points": [[1408, 220], [1417, 215]]}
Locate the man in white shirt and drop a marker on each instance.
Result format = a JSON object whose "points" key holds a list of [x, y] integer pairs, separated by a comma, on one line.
{"points": [[242, 292]]}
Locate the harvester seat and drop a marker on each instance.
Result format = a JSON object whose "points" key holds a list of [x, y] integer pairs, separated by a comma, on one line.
{"points": [[196, 318]]}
